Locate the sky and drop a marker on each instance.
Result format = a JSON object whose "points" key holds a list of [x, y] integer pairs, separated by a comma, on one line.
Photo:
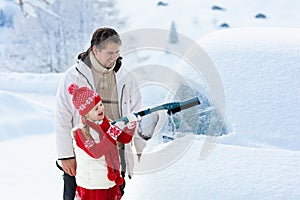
{"points": [[257, 66]]}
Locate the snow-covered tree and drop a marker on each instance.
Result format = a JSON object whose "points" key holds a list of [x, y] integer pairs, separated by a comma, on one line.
{"points": [[29, 7], [173, 34], [5, 20], [50, 42]]}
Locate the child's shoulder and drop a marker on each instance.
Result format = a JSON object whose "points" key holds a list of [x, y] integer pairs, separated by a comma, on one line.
{"points": [[76, 128]]}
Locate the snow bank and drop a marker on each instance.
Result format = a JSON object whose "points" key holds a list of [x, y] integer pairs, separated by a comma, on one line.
{"points": [[30, 82], [260, 70], [27, 102], [228, 172], [260, 74], [28, 169], [21, 116]]}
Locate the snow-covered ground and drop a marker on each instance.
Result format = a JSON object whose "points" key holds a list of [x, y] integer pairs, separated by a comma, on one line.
{"points": [[260, 73], [259, 159], [28, 168], [228, 172]]}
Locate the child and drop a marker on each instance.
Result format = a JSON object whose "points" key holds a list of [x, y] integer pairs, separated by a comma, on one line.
{"points": [[95, 145]]}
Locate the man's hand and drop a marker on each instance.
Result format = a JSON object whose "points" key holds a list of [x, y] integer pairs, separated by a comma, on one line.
{"points": [[69, 166]]}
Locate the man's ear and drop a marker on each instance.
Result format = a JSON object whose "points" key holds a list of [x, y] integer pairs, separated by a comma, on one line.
{"points": [[94, 49]]}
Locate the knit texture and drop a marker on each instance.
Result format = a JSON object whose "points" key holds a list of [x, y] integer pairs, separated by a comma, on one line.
{"points": [[105, 83], [84, 99]]}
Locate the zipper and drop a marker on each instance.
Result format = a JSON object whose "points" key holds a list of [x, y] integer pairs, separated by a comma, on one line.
{"points": [[121, 100], [85, 78]]}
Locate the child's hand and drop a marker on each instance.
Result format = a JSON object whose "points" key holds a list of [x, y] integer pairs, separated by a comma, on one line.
{"points": [[114, 131], [120, 125], [132, 121]]}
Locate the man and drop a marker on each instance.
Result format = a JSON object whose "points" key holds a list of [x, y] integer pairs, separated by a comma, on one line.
{"points": [[99, 69]]}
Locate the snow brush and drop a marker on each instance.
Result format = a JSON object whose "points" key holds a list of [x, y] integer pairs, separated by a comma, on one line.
{"points": [[172, 108]]}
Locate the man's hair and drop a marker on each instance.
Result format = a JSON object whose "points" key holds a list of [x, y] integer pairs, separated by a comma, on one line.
{"points": [[104, 35], [100, 39]]}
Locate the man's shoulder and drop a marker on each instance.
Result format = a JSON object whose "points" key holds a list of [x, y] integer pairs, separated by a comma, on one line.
{"points": [[125, 74], [73, 67], [78, 67]]}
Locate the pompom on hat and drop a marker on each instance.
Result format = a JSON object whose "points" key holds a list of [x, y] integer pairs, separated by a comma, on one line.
{"points": [[84, 99]]}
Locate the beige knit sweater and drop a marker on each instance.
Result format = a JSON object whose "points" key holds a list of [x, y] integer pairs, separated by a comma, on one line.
{"points": [[105, 83]]}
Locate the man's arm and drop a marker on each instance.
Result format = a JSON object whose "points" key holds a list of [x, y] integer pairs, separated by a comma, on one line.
{"points": [[63, 118]]}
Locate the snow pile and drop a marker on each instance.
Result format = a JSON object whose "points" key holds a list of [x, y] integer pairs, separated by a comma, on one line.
{"points": [[259, 73], [21, 116], [28, 168], [30, 83], [228, 172], [26, 136], [27, 102]]}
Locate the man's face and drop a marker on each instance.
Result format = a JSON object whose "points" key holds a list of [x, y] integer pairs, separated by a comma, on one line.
{"points": [[107, 56]]}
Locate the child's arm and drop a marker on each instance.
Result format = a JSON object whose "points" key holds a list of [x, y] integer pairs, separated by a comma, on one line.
{"points": [[95, 150], [128, 130], [126, 135]]}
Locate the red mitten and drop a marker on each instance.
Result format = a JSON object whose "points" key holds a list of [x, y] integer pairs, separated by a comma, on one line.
{"points": [[114, 132], [120, 125], [132, 121]]}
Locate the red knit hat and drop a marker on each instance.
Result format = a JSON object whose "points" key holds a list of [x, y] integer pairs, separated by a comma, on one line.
{"points": [[84, 99]]}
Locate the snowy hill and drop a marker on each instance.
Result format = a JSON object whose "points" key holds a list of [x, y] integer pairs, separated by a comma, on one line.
{"points": [[26, 101], [19, 116], [228, 172], [198, 18], [259, 73], [261, 84]]}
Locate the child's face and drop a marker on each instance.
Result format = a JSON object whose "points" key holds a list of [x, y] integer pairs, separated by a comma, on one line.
{"points": [[97, 113]]}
